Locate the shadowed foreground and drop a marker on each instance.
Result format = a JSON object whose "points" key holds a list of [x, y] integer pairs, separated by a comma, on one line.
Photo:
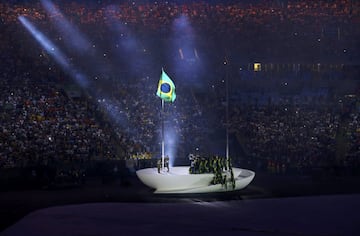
{"points": [[321, 215], [271, 205]]}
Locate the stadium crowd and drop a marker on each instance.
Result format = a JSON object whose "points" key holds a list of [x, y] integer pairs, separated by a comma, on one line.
{"points": [[42, 122], [298, 138], [268, 30]]}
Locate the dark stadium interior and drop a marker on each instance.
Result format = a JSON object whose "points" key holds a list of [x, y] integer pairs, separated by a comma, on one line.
{"points": [[79, 111]]}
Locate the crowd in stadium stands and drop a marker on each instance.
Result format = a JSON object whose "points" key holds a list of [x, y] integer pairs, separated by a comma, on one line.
{"points": [[268, 30], [41, 122], [285, 138], [233, 14]]}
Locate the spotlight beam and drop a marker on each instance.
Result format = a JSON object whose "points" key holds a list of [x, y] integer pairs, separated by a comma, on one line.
{"points": [[45, 42], [76, 40], [131, 50], [54, 51], [80, 78]]}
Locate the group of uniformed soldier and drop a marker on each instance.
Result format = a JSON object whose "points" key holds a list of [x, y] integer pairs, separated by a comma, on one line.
{"points": [[217, 165]]}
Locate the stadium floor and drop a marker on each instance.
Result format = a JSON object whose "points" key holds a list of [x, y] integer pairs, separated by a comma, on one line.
{"points": [[321, 215], [271, 205]]}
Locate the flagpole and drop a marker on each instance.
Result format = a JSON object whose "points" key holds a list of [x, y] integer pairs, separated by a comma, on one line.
{"points": [[227, 108], [227, 119], [169, 95], [162, 136]]}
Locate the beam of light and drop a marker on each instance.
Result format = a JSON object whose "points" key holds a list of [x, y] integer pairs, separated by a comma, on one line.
{"points": [[77, 42], [70, 33], [184, 37], [112, 108], [188, 65], [171, 141], [118, 115], [50, 48], [80, 78], [129, 49], [53, 51]]}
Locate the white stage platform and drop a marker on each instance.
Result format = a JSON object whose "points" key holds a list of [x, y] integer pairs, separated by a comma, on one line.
{"points": [[179, 180]]}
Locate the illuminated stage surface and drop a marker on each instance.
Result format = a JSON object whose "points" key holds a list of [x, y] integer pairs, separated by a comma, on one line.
{"points": [[179, 180]]}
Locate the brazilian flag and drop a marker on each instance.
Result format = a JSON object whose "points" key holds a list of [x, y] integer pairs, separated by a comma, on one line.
{"points": [[166, 88]]}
